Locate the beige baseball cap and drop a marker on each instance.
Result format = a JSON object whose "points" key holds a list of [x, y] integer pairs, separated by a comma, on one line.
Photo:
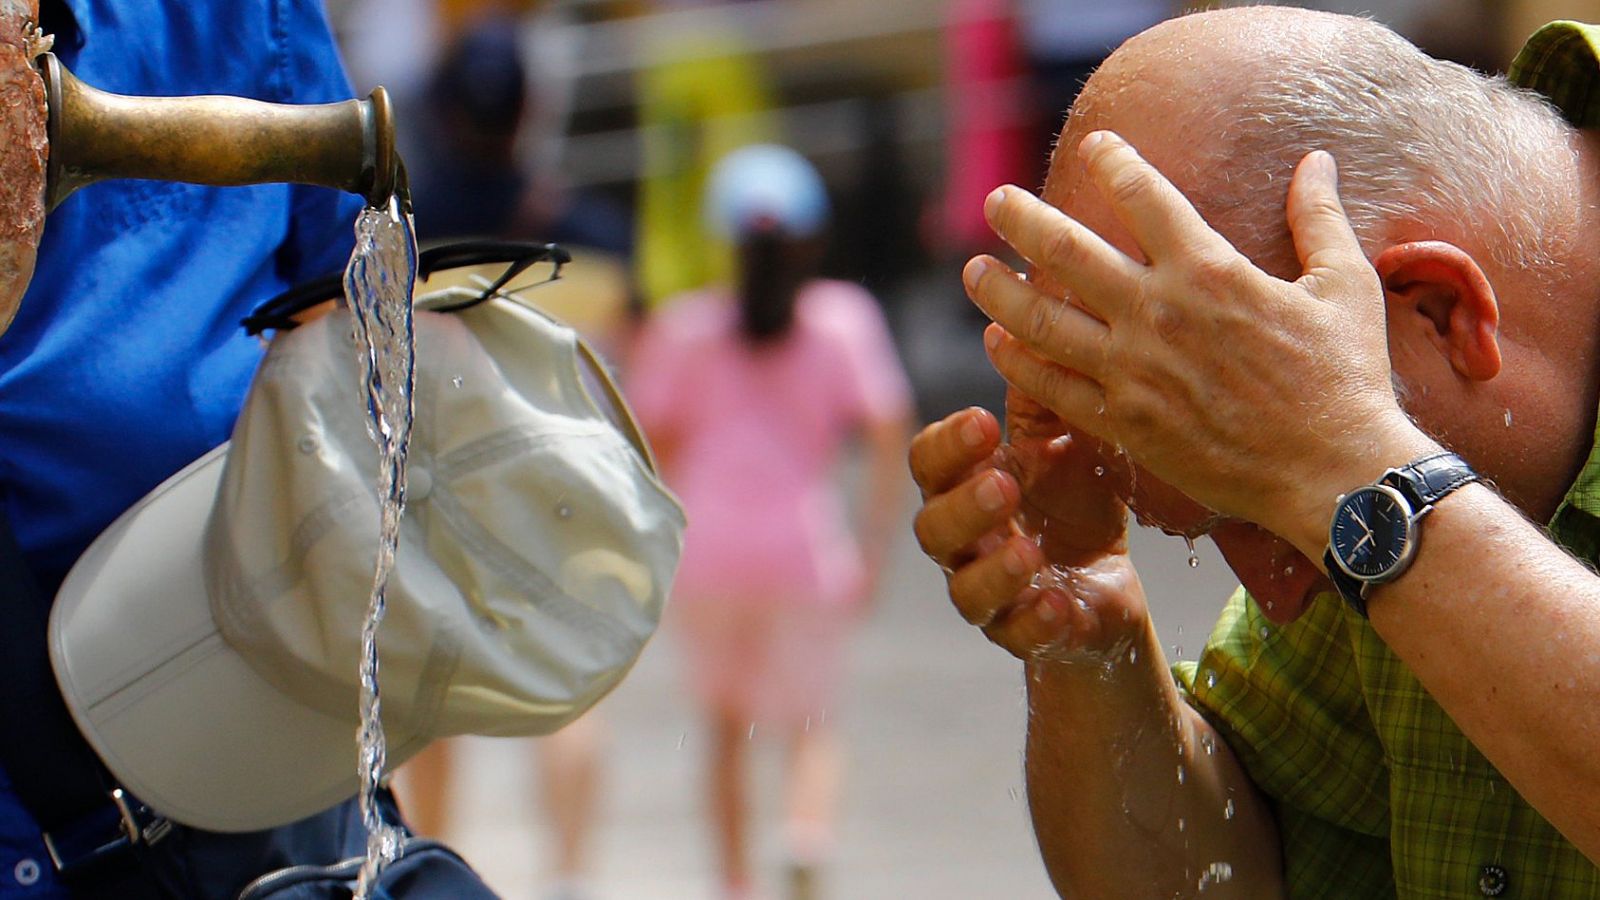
{"points": [[208, 643]]}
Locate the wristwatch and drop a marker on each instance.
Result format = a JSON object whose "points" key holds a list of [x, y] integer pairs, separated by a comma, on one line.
{"points": [[1376, 527]]}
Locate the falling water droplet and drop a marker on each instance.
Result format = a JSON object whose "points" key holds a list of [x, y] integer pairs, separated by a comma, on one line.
{"points": [[1208, 744], [1264, 632], [1177, 651], [751, 735], [681, 737], [1180, 824], [1133, 654], [1288, 570], [1180, 774], [1227, 809], [1211, 678], [808, 723], [1013, 792], [457, 381], [1508, 418], [564, 511], [1099, 471]]}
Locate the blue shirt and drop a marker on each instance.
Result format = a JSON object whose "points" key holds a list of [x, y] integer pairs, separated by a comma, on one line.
{"points": [[126, 360]]}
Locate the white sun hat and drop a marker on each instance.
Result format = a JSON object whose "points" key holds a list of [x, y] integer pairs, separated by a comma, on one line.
{"points": [[765, 187], [208, 643]]}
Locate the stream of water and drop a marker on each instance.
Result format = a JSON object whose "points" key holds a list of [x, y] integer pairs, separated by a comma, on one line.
{"points": [[378, 285]]}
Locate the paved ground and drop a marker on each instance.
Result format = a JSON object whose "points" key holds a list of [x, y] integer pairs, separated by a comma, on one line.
{"points": [[933, 719]]}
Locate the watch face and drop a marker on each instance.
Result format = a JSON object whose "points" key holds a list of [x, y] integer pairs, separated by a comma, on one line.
{"points": [[1371, 534]]}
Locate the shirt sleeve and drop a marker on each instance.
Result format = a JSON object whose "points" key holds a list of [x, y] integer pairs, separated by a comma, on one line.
{"points": [[1288, 701], [321, 224], [875, 384]]}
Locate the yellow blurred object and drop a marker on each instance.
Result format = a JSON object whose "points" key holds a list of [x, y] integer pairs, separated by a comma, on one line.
{"points": [[704, 96], [453, 14]]}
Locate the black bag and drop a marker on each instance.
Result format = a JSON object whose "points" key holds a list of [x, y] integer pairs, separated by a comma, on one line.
{"points": [[427, 869]]}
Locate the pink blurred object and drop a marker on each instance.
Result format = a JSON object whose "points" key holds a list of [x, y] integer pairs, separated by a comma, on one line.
{"points": [[988, 124], [753, 434]]}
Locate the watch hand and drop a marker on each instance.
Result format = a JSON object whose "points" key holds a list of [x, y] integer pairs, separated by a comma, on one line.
{"points": [[1360, 542], [1360, 521]]}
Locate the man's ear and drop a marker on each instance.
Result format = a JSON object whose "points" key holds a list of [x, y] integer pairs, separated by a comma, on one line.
{"points": [[1438, 289]]}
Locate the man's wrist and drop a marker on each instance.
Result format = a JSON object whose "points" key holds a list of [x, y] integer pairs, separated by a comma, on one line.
{"points": [[1365, 458]]}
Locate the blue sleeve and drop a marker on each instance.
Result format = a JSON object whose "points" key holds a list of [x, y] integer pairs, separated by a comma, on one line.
{"points": [[308, 70]]}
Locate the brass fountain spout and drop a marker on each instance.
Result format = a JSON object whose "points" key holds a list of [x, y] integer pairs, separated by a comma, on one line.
{"points": [[95, 135]]}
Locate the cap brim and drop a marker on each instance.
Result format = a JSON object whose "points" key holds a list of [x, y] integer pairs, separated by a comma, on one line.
{"points": [[178, 716]]}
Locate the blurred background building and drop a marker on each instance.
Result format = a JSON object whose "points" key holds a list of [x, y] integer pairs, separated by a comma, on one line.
{"points": [[594, 122]]}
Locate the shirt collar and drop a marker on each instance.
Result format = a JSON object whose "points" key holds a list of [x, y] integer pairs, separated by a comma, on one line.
{"points": [[1562, 62]]}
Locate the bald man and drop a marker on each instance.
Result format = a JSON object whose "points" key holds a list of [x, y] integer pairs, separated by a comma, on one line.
{"points": [[1441, 747]]}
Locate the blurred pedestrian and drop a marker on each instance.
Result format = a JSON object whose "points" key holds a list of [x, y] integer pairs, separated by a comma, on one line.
{"points": [[749, 391], [469, 177]]}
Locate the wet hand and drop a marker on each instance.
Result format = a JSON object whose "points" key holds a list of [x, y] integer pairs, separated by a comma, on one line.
{"points": [[1244, 391], [1032, 541]]}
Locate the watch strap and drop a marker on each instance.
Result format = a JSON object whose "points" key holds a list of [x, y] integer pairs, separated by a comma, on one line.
{"points": [[1353, 590], [1430, 479]]}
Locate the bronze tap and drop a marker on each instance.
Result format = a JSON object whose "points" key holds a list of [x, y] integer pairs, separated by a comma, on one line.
{"points": [[215, 140]]}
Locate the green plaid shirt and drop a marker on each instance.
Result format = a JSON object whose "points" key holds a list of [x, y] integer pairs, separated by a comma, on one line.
{"points": [[1377, 792]]}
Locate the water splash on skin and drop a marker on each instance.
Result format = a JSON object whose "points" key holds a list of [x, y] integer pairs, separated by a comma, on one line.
{"points": [[378, 285], [1216, 873]]}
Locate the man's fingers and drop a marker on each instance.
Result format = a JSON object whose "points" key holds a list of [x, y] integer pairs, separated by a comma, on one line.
{"points": [[1075, 397], [1329, 252], [1052, 326], [1072, 255], [985, 589], [1044, 622], [944, 453], [949, 524], [1161, 219]]}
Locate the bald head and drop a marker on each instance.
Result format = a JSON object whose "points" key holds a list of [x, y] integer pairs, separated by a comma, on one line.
{"points": [[1225, 103]]}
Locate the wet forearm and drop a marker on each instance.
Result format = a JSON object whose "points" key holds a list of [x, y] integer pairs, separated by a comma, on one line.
{"points": [[1132, 793], [1503, 629]]}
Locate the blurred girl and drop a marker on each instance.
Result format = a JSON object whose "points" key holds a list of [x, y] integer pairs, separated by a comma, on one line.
{"points": [[748, 393]]}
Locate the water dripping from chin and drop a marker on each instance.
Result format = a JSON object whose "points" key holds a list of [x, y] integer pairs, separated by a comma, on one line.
{"points": [[1280, 579]]}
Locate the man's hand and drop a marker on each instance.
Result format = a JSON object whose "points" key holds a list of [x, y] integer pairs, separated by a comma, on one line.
{"points": [[1244, 391], [1032, 536]]}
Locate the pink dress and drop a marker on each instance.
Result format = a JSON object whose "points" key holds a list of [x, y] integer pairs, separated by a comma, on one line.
{"points": [[771, 572]]}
